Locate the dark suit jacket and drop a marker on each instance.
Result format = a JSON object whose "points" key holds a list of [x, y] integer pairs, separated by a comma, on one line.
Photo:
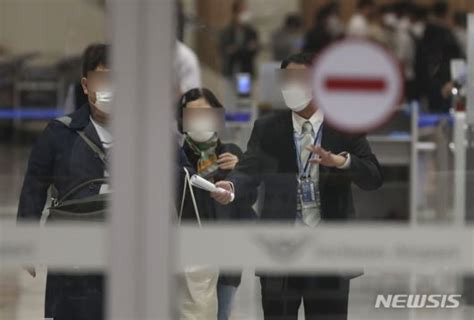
{"points": [[271, 160]]}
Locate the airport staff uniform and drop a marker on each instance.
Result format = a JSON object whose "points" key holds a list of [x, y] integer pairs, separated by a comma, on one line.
{"points": [[271, 160]]}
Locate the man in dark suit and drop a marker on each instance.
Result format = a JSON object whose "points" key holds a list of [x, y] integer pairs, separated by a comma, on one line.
{"points": [[306, 169], [238, 42]]}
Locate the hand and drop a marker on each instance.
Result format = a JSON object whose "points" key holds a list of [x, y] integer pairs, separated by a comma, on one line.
{"points": [[227, 161], [326, 158], [31, 270], [223, 197], [447, 89]]}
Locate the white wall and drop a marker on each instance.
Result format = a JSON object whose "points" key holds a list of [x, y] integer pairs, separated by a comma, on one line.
{"points": [[53, 27]]}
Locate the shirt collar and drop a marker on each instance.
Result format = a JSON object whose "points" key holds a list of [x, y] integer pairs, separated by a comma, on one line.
{"points": [[104, 134], [316, 120]]}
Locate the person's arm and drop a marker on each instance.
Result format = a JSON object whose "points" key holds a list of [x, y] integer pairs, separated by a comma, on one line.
{"points": [[365, 170], [38, 178], [358, 163], [246, 176]]}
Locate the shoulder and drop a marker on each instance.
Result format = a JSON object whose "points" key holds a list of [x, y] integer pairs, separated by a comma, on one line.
{"points": [[185, 53], [272, 119]]}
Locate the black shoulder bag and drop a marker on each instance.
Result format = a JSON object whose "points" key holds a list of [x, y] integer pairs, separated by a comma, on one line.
{"points": [[88, 209]]}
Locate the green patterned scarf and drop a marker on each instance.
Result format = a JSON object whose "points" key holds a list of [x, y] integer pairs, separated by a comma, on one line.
{"points": [[207, 163]]}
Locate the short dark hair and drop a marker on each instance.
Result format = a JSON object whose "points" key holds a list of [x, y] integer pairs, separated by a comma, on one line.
{"points": [[325, 11], [236, 5], [305, 58], [362, 4], [193, 95], [95, 55], [440, 9], [460, 18], [293, 21]]}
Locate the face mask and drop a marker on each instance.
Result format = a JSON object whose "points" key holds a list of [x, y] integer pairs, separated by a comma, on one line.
{"points": [[390, 20], [103, 100], [418, 29], [404, 24], [296, 97], [245, 17], [334, 26], [201, 136]]}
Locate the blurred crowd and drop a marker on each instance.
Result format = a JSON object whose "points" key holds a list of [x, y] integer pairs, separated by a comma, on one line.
{"points": [[423, 38]]}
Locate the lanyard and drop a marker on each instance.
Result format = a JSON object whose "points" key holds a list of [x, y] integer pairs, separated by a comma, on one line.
{"points": [[317, 141]]}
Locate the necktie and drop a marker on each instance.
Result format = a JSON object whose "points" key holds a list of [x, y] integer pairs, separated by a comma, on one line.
{"points": [[306, 140], [311, 216]]}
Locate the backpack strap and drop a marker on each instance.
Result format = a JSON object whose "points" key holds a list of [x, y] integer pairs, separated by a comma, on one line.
{"points": [[66, 121]]}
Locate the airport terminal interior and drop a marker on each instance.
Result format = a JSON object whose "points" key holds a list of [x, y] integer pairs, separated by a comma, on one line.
{"points": [[231, 86]]}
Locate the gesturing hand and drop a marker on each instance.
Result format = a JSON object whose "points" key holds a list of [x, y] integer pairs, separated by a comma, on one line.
{"points": [[223, 197], [326, 158]]}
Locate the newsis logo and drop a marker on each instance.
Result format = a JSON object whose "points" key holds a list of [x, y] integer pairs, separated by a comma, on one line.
{"points": [[418, 301]]}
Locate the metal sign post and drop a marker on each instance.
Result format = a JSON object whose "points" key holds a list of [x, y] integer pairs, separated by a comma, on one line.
{"points": [[140, 256]]}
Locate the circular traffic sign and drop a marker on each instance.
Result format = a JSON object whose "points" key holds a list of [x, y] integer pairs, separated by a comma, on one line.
{"points": [[357, 84]]}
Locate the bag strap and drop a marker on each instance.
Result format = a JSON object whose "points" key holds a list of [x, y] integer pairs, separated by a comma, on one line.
{"points": [[66, 120], [79, 187], [187, 182]]}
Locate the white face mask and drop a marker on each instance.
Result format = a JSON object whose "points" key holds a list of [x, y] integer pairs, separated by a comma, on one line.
{"points": [[335, 26], [245, 17], [103, 100], [297, 97], [418, 29], [201, 129], [390, 20], [201, 136]]}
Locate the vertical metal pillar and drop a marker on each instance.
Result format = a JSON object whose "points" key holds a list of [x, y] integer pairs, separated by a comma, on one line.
{"points": [[139, 281]]}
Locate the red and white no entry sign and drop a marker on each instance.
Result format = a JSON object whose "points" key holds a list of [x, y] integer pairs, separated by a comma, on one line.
{"points": [[357, 84]]}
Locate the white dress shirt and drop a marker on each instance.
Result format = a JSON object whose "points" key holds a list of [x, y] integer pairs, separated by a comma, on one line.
{"points": [[107, 142]]}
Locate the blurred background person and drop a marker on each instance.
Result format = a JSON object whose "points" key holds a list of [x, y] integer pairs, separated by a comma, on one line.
{"points": [[327, 27], [460, 29], [359, 23], [404, 44], [288, 39], [187, 69], [239, 42], [213, 160], [437, 48]]}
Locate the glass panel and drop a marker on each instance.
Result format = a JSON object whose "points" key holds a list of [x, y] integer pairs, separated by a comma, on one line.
{"points": [[46, 72]]}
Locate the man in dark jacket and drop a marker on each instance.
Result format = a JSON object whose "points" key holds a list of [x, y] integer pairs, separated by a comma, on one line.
{"points": [[436, 50], [60, 158], [303, 189], [238, 42]]}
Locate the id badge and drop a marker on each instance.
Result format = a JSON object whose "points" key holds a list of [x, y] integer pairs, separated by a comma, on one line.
{"points": [[307, 193]]}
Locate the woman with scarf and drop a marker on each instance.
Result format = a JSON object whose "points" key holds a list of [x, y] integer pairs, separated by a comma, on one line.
{"points": [[213, 160]]}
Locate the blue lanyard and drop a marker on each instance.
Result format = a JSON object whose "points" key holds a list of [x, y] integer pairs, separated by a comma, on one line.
{"points": [[317, 142]]}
